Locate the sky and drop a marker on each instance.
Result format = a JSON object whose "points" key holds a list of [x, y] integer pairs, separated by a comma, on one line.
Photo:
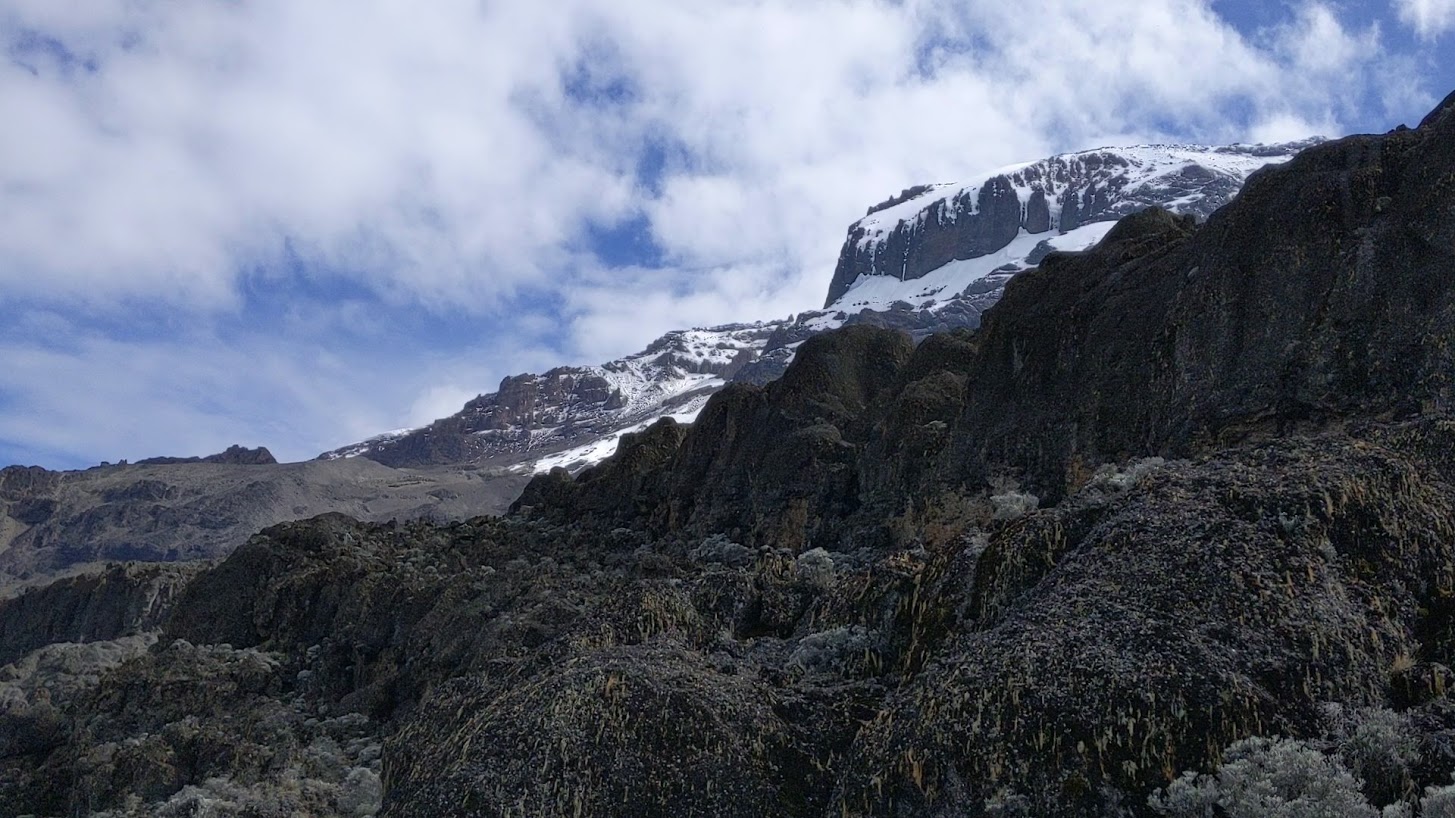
{"points": [[300, 224]]}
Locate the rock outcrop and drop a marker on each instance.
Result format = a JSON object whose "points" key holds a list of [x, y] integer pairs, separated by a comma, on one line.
{"points": [[233, 456], [123, 600]]}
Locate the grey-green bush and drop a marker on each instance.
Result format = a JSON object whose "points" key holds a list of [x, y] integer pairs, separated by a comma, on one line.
{"points": [[1267, 778]]}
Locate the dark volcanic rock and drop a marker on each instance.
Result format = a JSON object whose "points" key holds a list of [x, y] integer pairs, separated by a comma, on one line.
{"points": [[1082, 669], [656, 732], [758, 458], [123, 600]]}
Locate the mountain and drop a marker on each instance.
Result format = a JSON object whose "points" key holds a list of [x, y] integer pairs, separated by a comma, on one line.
{"points": [[1171, 534], [530, 414], [929, 260], [477, 460]]}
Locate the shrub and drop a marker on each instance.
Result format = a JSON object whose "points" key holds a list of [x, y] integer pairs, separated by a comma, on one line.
{"points": [[1267, 778], [1439, 802], [1109, 479], [1009, 505], [1381, 749], [842, 651], [719, 549], [815, 567]]}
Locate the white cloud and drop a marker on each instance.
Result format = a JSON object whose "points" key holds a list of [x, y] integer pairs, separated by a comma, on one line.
{"points": [[452, 157], [385, 141], [1287, 128], [1429, 18]]}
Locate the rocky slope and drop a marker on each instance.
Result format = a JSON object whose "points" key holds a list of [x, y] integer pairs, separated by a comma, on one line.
{"points": [[175, 509], [930, 260], [1192, 485], [534, 414]]}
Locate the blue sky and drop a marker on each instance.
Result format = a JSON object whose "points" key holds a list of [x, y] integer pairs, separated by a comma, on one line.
{"points": [[297, 225]]}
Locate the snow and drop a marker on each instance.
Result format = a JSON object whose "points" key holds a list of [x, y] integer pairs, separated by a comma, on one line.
{"points": [[1147, 164], [879, 292], [1138, 173], [598, 450], [363, 447]]}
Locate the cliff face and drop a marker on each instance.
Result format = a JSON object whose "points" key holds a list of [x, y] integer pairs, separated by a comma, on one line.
{"points": [[123, 600], [1192, 485]]}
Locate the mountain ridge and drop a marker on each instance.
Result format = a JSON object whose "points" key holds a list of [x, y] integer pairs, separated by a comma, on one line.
{"points": [[572, 416]]}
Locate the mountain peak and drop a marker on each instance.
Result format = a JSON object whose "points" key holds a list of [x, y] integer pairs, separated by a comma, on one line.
{"points": [[919, 232]]}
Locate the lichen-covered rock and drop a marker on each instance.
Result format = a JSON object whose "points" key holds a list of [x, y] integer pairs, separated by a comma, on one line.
{"points": [[651, 731], [123, 600], [1110, 645]]}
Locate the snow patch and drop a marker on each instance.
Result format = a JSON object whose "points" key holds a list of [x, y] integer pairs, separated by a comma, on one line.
{"points": [[574, 460], [879, 293]]}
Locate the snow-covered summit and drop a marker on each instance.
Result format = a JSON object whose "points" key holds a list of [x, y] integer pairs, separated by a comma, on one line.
{"points": [[917, 234]]}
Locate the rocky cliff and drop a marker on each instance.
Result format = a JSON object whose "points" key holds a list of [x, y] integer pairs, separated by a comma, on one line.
{"points": [[1312, 297], [1192, 485]]}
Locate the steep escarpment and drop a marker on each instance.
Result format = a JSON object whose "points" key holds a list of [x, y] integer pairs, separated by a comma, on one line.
{"points": [[123, 600], [1193, 485]]}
